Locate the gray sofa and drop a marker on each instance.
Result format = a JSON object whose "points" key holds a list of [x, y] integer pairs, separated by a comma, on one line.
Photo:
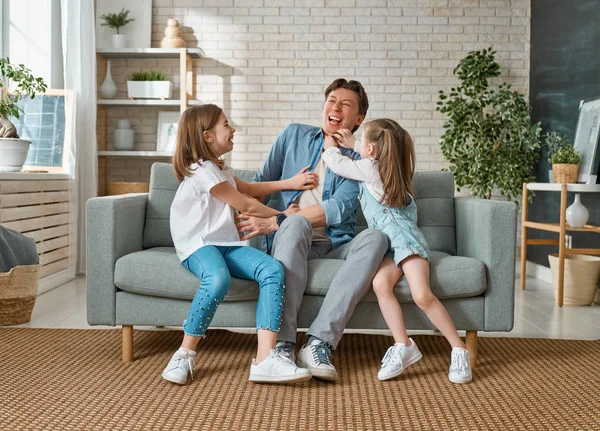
{"points": [[134, 277]]}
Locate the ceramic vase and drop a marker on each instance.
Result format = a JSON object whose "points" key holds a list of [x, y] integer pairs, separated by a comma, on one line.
{"points": [[119, 41], [108, 90], [123, 136], [577, 214]]}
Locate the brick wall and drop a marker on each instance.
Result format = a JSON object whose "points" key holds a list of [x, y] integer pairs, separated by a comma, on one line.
{"points": [[268, 62]]}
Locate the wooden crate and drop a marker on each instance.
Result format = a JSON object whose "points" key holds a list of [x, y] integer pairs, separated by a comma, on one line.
{"points": [[44, 211]]}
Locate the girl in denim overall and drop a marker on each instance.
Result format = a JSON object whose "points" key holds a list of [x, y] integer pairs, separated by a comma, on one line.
{"points": [[208, 243], [385, 173]]}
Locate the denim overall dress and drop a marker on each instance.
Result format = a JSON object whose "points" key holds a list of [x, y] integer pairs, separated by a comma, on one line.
{"points": [[399, 224]]}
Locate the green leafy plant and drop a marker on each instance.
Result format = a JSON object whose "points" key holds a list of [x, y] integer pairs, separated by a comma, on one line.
{"points": [[489, 139], [148, 76], [560, 150], [116, 20], [16, 82]]}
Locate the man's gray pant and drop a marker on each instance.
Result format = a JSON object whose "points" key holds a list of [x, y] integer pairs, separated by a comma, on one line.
{"points": [[293, 248]]}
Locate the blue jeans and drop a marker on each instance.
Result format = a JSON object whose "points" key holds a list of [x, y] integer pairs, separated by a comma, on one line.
{"points": [[214, 266]]}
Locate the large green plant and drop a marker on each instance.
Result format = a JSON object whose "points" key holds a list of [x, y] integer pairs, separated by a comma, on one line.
{"points": [[16, 83], [489, 140]]}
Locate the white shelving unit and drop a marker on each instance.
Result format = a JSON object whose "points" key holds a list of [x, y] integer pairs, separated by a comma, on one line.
{"points": [[187, 97]]}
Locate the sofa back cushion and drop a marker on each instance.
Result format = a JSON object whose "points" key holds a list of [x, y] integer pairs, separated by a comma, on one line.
{"points": [[435, 202]]}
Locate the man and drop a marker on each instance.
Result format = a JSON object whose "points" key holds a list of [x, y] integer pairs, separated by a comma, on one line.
{"points": [[323, 228]]}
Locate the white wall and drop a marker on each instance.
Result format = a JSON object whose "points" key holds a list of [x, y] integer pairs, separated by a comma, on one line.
{"points": [[268, 62]]}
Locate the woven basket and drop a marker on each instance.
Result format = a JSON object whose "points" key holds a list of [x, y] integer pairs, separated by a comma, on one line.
{"points": [[582, 273], [118, 188], [564, 173], [18, 291]]}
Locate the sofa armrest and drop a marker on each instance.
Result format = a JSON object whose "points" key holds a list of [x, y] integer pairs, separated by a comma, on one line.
{"points": [[487, 230], [114, 228]]}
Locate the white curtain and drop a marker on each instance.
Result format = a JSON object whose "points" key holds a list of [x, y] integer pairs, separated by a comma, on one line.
{"points": [[79, 53]]}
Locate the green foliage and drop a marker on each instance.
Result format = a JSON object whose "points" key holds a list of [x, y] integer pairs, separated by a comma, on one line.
{"points": [[116, 20], [560, 150], [17, 82], [148, 76], [489, 140]]}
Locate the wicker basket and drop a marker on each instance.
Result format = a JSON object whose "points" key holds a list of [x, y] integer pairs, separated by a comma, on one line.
{"points": [[564, 173], [18, 291], [124, 188], [582, 273]]}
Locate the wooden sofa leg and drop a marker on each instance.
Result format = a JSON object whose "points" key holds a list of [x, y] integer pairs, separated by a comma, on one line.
{"points": [[127, 343], [472, 346]]}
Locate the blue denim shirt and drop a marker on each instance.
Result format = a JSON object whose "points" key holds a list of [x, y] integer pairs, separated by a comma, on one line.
{"points": [[298, 146]]}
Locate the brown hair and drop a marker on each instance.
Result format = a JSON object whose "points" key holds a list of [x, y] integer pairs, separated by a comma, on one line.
{"points": [[395, 154], [191, 147], [357, 88]]}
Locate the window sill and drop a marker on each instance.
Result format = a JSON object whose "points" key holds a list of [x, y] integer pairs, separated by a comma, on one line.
{"points": [[33, 176]]}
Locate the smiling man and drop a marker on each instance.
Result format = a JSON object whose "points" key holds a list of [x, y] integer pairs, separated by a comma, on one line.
{"points": [[323, 228]]}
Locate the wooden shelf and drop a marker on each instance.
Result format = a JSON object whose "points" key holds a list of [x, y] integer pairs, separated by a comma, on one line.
{"points": [[555, 187], [555, 227], [148, 52], [135, 153], [145, 102]]}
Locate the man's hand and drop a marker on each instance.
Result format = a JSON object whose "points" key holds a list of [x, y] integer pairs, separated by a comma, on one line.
{"points": [[344, 138], [304, 180], [249, 227]]}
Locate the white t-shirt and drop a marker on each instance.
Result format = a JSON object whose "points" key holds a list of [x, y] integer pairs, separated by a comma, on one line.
{"points": [[197, 217], [313, 197]]}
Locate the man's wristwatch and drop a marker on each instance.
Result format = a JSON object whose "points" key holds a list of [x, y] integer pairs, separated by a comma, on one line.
{"points": [[280, 218]]}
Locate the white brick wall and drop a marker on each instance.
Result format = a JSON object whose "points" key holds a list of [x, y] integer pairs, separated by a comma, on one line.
{"points": [[268, 62]]}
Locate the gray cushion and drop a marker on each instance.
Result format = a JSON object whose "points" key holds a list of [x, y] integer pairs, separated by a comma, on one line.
{"points": [[158, 272]]}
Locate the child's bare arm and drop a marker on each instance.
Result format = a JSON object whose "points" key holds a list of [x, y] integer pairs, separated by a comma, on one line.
{"points": [[301, 181]]}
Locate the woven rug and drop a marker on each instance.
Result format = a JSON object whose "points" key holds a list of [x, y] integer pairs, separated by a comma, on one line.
{"points": [[60, 379]]}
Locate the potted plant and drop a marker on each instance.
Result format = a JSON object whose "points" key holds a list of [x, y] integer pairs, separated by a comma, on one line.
{"points": [[16, 83], [489, 140], [116, 21], [563, 157], [149, 85]]}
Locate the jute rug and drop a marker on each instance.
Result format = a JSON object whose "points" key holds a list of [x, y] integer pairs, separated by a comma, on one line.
{"points": [[74, 380]]}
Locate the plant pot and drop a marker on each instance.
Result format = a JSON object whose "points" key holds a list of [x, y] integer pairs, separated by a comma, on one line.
{"points": [[13, 153], [119, 41], [582, 273], [565, 173], [149, 89]]}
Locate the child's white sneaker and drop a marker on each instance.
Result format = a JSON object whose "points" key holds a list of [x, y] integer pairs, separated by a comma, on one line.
{"points": [[460, 366], [397, 359], [277, 368], [181, 363]]}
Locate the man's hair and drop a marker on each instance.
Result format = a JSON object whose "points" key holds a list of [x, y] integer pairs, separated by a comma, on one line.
{"points": [[356, 87]]}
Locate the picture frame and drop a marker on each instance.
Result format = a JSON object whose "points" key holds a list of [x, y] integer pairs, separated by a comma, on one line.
{"points": [[587, 135], [166, 136]]}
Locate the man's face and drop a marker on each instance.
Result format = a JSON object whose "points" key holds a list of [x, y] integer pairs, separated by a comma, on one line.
{"points": [[341, 111]]}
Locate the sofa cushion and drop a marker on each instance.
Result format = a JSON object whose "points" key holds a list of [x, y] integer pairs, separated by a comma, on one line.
{"points": [[450, 277], [158, 272]]}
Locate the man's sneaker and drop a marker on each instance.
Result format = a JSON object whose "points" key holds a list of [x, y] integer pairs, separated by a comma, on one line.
{"points": [[316, 357], [460, 366], [179, 366], [286, 349], [397, 359], [276, 368]]}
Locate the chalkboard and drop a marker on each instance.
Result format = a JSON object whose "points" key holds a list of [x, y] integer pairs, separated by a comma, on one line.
{"points": [[43, 123]]}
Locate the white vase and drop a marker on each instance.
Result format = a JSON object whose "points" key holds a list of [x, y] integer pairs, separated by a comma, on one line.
{"points": [[119, 41], [123, 136], [577, 214], [108, 90]]}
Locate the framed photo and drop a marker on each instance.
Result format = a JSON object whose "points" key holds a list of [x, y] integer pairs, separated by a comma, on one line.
{"points": [[166, 136], [587, 135]]}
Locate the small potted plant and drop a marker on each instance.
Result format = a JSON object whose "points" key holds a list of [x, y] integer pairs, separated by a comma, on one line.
{"points": [[149, 85], [563, 157], [116, 21], [16, 83]]}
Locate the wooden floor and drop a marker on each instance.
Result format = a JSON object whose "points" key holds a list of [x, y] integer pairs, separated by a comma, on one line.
{"points": [[536, 313]]}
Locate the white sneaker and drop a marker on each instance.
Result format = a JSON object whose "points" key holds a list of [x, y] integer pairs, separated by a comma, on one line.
{"points": [[276, 368], [316, 357], [397, 359], [286, 349], [460, 366], [179, 366]]}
